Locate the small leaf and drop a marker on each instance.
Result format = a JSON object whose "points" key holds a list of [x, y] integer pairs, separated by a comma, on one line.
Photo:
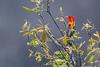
{"points": [[67, 57], [35, 42], [55, 65], [44, 37], [26, 33], [38, 56], [58, 54], [33, 31], [91, 59], [92, 41], [65, 40], [35, 10], [48, 63], [27, 8], [81, 44], [71, 65], [82, 52], [59, 61]]}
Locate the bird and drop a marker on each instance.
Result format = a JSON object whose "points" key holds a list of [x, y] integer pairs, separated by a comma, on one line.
{"points": [[71, 21], [70, 25]]}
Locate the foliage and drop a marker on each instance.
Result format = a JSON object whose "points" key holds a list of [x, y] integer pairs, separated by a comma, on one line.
{"points": [[69, 44]]}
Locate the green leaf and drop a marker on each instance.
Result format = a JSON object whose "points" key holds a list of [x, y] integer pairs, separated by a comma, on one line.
{"points": [[38, 56], [59, 61], [91, 59], [55, 65], [34, 42], [27, 8], [71, 65], [92, 43], [64, 65], [82, 52], [65, 40], [26, 33], [44, 37], [67, 56], [80, 46], [48, 63], [33, 31], [35, 10], [58, 54]]}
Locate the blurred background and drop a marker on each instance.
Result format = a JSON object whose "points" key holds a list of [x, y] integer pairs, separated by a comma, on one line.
{"points": [[13, 48]]}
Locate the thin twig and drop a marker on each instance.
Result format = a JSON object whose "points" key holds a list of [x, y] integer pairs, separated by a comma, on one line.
{"points": [[49, 12]]}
